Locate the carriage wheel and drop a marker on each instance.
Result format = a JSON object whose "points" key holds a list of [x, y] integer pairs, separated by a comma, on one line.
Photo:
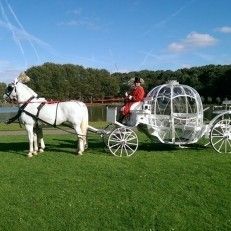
{"points": [[123, 142], [220, 136]]}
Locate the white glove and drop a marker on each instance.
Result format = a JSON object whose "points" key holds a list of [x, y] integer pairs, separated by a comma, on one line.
{"points": [[126, 94], [130, 97]]}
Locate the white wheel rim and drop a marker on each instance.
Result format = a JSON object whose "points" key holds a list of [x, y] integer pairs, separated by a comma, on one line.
{"points": [[220, 136], [123, 142]]}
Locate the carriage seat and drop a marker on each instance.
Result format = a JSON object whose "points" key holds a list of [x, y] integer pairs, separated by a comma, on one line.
{"points": [[138, 113], [142, 106], [136, 106]]}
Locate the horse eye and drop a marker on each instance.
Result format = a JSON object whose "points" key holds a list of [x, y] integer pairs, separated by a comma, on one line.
{"points": [[9, 88]]}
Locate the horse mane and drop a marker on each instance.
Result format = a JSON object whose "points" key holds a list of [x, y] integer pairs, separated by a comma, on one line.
{"points": [[28, 89], [23, 78]]}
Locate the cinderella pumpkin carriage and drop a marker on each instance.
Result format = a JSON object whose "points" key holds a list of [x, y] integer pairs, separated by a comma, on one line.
{"points": [[173, 113]]}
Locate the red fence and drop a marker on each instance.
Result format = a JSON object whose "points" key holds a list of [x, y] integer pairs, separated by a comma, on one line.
{"points": [[106, 101]]}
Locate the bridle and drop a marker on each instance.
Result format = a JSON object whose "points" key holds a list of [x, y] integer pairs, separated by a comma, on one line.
{"points": [[9, 90]]}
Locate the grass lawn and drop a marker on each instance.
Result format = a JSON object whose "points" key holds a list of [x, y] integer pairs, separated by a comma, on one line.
{"points": [[160, 187]]}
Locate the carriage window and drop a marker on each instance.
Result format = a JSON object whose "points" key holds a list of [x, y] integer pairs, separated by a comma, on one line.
{"points": [[184, 104], [189, 92], [165, 92], [177, 91], [153, 93], [163, 106]]}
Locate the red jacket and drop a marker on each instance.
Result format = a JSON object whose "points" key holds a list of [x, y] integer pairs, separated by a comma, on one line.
{"points": [[136, 95]]}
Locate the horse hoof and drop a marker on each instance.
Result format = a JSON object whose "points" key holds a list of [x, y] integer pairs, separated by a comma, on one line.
{"points": [[29, 155], [35, 153], [41, 150], [79, 153]]}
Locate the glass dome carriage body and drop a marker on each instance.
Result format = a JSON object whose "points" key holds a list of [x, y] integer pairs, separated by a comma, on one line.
{"points": [[175, 113]]}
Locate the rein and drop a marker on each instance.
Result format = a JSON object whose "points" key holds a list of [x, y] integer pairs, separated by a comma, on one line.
{"points": [[20, 110]]}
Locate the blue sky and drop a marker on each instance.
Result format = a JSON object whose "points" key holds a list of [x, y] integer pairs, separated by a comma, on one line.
{"points": [[120, 35]]}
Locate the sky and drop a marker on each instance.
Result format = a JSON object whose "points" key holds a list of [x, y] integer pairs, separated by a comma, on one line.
{"points": [[119, 36]]}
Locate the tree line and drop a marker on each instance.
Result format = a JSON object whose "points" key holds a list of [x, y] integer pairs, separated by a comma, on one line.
{"points": [[68, 81]]}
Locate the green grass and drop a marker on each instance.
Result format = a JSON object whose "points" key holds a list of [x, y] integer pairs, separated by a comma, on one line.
{"points": [[17, 127], [159, 188], [11, 127]]}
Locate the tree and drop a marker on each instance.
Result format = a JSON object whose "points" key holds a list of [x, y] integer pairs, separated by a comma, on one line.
{"points": [[68, 81], [2, 90]]}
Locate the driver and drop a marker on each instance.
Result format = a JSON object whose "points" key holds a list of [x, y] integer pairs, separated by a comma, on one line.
{"points": [[135, 95]]}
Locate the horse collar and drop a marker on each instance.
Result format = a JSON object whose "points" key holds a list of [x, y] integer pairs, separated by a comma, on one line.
{"points": [[20, 110], [28, 101]]}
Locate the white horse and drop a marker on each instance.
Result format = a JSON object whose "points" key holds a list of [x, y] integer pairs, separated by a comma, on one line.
{"points": [[34, 109]]}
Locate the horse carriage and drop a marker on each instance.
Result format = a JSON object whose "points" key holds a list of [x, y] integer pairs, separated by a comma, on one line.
{"points": [[173, 113]]}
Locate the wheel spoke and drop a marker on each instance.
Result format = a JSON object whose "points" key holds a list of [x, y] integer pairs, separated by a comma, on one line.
{"points": [[221, 145], [117, 149], [115, 145], [122, 141], [131, 143], [220, 135], [115, 140], [218, 141], [126, 150], [131, 138], [216, 130], [229, 142], [130, 148]]}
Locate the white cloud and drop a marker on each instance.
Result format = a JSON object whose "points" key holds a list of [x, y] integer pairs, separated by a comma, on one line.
{"points": [[87, 23], [192, 40], [80, 20], [224, 29], [196, 39], [176, 47]]}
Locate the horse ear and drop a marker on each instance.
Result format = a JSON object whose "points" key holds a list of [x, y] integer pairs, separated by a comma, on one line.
{"points": [[15, 81], [23, 78]]}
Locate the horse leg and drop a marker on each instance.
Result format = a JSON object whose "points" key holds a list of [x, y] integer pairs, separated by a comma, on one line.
{"points": [[29, 129], [35, 141], [80, 139], [84, 126], [41, 143]]}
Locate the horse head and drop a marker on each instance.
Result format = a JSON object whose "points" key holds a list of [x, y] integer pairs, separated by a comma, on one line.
{"points": [[17, 92]]}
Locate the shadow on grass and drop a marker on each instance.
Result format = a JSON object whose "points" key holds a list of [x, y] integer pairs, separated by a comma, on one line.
{"points": [[19, 148], [69, 146], [95, 146], [158, 146], [98, 147]]}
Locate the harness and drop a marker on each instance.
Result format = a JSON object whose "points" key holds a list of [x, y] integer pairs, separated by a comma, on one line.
{"points": [[36, 117], [21, 109]]}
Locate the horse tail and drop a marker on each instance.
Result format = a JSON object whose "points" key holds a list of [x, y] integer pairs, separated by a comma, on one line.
{"points": [[84, 126], [84, 123]]}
